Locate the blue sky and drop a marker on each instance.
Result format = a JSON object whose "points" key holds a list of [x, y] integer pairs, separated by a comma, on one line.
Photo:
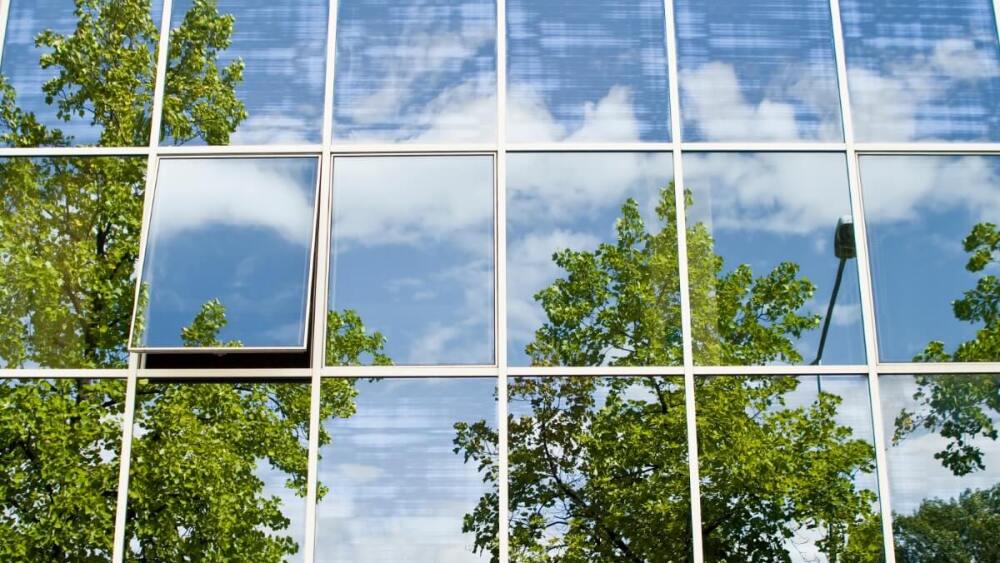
{"points": [[397, 490], [587, 71], [923, 69], [284, 47], [236, 230], [757, 70], [919, 209], [412, 253]]}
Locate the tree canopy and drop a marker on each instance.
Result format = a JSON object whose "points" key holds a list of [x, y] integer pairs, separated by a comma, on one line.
{"points": [[599, 466], [69, 239]]}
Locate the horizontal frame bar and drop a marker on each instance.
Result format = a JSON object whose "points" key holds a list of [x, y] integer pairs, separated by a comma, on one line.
{"points": [[62, 373]]}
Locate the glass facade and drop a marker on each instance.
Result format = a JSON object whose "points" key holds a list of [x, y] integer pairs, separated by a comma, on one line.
{"points": [[523, 280]]}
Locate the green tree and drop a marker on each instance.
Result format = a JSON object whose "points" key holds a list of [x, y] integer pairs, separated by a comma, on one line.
{"points": [[958, 530], [598, 467], [69, 239]]}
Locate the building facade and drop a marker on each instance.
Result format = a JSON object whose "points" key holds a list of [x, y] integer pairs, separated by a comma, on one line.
{"points": [[507, 280]]}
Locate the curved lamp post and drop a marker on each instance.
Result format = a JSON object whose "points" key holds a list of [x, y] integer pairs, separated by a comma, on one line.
{"points": [[844, 249]]}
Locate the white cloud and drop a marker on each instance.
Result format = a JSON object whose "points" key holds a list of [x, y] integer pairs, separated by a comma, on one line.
{"points": [[612, 118], [262, 193], [768, 192], [900, 188], [714, 102]]}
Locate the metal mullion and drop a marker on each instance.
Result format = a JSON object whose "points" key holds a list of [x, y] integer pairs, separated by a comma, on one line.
{"points": [[781, 370], [4, 17], [240, 150], [589, 147], [996, 17], [410, 148], [682, 265], [927, 148], [320, 287], [500, 316], [156, 110], [911, 368], [73, 151], [595, 371], [791, 146], [63, 373], [865, 283]]}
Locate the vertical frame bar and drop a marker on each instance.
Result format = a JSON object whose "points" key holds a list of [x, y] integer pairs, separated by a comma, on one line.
{"points": [[676, 126], [320, 287], [500, 269], [4, 15], [864, 281], [135, 360]]}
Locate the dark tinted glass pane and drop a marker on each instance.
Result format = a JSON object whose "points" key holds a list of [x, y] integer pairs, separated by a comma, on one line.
{"points": [[598, 469], [401, 461], [229, 254], [246, 72], [415, 70], [60, 442], [218, 471], [592, 260], [69, 239], [591, 71], [941, 434], [923, 69], [412, 258], [95, 88], [770, 249], [787, 469], [935, 255], [757, 70]]}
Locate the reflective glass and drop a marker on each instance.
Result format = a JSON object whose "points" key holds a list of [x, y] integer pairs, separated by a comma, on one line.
{"points": [[415, 70], [397, 471], [229, 253], [592, 260], [943, 461], [787, 467], [922, 69], [69, 239], [598, 469], [757, 71], [218, 472], [245, 72], [60, 441], [591, 71], [412, 259], [95, 89], [935, 255], [771, 259]]}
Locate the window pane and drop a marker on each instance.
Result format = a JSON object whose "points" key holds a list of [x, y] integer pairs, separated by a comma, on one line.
{"points": [[246, 72], [787, 469], [60, 442], [770, 235], [399, 487], [592, 260], [591, 71], [757, 71], [69, 239], [598, 469], [229, 253], [218, 472], [933, 239], [415, 70], [923, 69], [96, 89], [412, 259], [943, 460]]}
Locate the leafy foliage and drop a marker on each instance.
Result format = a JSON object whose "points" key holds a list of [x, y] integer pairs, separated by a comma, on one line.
{"points": [[598, 466], [951, 531], [963, 408], [69, 238]]}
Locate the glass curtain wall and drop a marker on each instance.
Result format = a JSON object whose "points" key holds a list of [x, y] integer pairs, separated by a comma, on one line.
{"points": [[499, 280]]}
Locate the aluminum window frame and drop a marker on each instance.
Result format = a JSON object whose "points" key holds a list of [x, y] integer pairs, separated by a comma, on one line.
{"points": [[327, 151]]}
